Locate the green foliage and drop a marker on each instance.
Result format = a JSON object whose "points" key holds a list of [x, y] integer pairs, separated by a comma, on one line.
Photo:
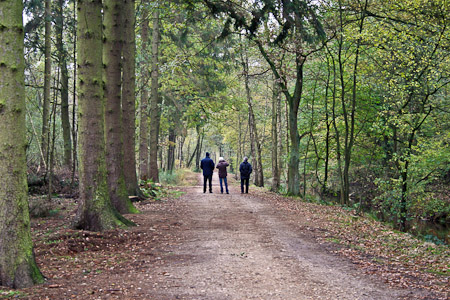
{"points": [[168, 177], [433, 239], [11, 294], [388, 201], [152, 190]]}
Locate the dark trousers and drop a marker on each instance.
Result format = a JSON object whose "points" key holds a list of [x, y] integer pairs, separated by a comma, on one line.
{"points": [[226, 184], [207, 178], [246, 182]]}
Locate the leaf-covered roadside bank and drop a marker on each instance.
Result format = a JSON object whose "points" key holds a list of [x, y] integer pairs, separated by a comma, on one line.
{"points": [[80, 264], [399, 258]]}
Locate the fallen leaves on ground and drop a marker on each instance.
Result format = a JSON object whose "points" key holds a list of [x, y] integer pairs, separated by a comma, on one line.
{"points": [[399, 258]]}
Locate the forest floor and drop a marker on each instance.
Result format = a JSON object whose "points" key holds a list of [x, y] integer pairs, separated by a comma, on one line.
{"points": [[192, 245]]}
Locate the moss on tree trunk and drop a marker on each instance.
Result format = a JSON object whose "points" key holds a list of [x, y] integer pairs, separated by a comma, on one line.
{"points": [[144, 120], [112, 61], [128, 99], [155, 110], [17, 265], [95, 211]]}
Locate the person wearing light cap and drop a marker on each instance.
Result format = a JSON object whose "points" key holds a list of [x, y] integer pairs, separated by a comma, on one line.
{"points": [[207, 165], [245, 169], [222, 166]]}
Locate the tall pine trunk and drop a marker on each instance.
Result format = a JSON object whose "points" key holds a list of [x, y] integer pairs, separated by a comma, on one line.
{"points": [[95, 211], [74, 101], [143, 122], [129, 100], [155, 110], [18, 268], [62, 61], [47, 84], [112, 62]]}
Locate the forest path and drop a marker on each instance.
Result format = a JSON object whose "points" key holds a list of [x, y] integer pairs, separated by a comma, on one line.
{"points": [[238, 246], [208, 247]]}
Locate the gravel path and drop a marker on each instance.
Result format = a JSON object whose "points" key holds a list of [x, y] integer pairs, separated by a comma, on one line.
{"points": [[237, 246]]}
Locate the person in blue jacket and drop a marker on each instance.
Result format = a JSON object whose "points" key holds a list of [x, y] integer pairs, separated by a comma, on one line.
{"points": [[207, 165], [245, 169]]}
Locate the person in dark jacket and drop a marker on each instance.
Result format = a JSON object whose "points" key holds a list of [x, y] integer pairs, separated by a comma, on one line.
{"points": [[207, 165], [245, 169], [222, 166]]}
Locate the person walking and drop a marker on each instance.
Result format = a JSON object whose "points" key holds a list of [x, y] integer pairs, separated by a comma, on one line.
{"points": [[245, 169], [207, 165], [222, 166]]}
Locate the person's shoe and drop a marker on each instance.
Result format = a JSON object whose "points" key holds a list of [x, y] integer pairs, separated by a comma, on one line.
{"points": [[221, 192], [227, 193], [210, 192]]}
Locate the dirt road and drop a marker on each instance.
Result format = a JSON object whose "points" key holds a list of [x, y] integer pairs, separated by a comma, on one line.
{"points": [[205, 247], [237, 246]]}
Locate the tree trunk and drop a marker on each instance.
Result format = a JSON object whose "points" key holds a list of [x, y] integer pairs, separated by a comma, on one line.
{"points": [[293, 102], [62, 61], [239, 152], [112, 62], [254, 140], [155, 110], [143, 122], [195, 151], [180, 149], [327, 137], [199, 149], [47, 83], [95, 211], [275, 169], [280, 139], [128, 99], [171, 148], [18, 268], [51, 144], [293, 174], [350, 128], [74, 98]]}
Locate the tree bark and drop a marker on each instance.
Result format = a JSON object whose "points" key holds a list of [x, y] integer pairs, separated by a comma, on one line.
{"points": [[74, 100], [171, 147], [254, 140], [129, 100], [275, 168], [47, 83], [144, 120], [112, 62], [18, 268], [155, 110], [180, 149], [62, 61], [336, 131], [95, 211], [280, 138], [293, 102]]}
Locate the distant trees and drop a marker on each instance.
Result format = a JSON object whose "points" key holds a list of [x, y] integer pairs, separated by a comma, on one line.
{"points": [[378, 71]]}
